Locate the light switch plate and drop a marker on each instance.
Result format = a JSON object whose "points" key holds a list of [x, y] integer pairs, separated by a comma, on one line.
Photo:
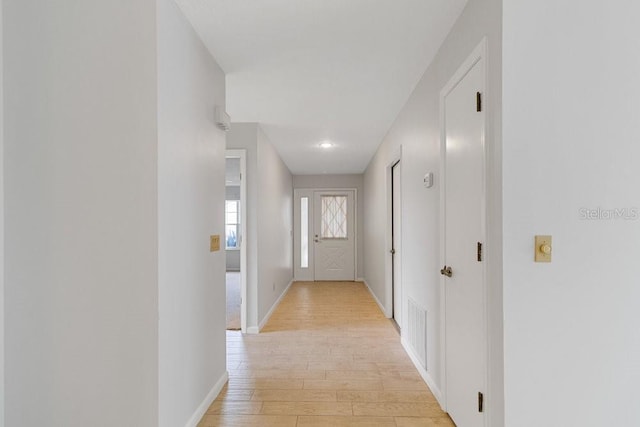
{"points": [[542, 249], [214, 243]]}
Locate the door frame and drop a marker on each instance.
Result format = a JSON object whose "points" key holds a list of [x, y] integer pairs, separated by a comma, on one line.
{"points": [[388, 264], [389, 309], [396, 257], [296, 231], [479, 53], [242, 155]]}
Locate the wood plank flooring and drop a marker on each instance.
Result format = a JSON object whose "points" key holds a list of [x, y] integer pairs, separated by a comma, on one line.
{"points": [[327, 357]]}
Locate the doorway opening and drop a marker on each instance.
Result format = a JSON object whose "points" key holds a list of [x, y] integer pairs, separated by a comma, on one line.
{"points": [[235, 235], [396, 245]]}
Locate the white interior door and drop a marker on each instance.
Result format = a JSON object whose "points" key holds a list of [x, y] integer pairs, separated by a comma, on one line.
{"points": [[465, 340], [334, 235], [396, 249]]}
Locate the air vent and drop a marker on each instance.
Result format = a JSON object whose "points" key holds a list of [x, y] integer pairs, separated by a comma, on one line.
{"points": [[417, 331]]}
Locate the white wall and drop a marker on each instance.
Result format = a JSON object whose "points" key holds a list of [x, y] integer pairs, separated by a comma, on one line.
{"points": [[341, 181], [416, 133], [275, 225], [233, 260], [571, 132], [269, 221], [245, 136], [1, 226], [81, 213], [191, 194], [232, 192]]}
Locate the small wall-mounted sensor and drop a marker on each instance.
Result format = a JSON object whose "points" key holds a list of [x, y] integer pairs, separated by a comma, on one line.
{"points": [[428, 180], [223, 121]]}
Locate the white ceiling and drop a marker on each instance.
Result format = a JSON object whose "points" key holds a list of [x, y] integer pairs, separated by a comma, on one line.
{"points": [[314, 70]]}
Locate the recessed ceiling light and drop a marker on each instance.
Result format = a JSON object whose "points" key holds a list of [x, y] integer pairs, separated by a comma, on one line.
{"points": [[326, 144]]}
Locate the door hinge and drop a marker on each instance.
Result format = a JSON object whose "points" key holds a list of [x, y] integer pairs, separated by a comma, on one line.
{"points": [[480, 402], [479, 251], [478, 101]]}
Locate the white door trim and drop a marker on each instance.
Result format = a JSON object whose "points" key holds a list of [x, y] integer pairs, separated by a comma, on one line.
{"points": [[388, 312], [398, 290], [242, 155], [480, 52]]}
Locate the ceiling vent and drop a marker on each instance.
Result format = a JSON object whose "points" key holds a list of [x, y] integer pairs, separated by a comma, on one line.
{"points": [[223, 121]]}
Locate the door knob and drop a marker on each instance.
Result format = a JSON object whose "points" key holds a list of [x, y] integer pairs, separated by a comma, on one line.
{"points": [[446, 271]]}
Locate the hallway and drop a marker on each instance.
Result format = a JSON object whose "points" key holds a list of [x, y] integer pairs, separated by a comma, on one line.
{"points": [[327, 357]]}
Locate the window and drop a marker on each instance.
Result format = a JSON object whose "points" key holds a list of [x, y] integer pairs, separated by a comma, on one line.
{"points": [[334, 217], [232, 224], [304, 232]]}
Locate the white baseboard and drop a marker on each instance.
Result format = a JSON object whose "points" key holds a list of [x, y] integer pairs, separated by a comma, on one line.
{"points": [[252, 330], [423, 373], [384, 310], [273, 307], [211, 396]]}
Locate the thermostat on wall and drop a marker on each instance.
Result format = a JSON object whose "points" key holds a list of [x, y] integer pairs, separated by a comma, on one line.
{"points": [[428, 180]]}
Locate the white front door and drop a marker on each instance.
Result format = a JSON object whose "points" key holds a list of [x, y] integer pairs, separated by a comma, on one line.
{"points": [[334, 235], [465, 339]]}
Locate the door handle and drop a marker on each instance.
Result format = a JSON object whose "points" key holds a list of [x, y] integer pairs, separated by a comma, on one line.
{"points": [[317, 241], [446, 271]]}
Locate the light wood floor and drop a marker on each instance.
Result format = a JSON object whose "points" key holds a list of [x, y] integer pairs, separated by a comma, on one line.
{"points": [[327, 357]]}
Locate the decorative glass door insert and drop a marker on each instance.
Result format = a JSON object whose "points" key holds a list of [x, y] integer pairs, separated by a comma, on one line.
{"points": [[334, 217]]}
